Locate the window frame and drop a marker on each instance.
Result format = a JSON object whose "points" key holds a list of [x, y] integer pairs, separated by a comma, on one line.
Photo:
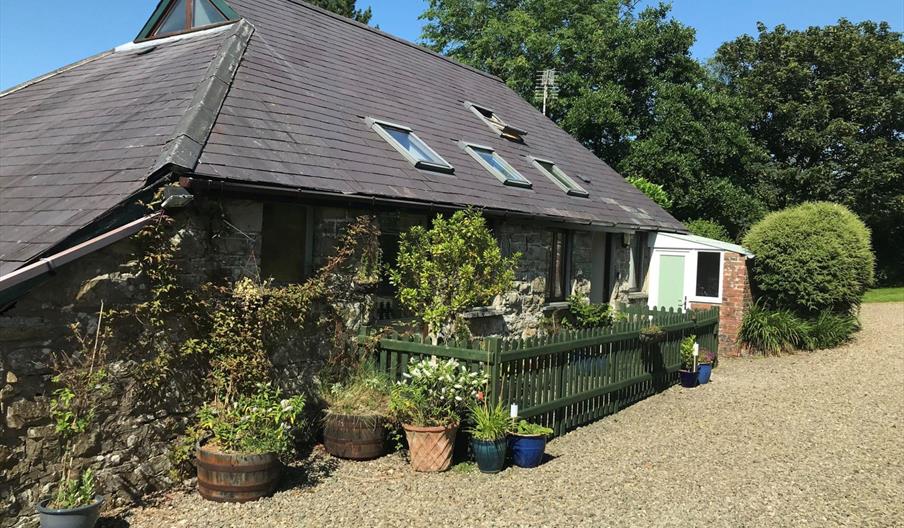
{"points": [[574, 190], [692, 292], [472, 148], [379, 126], [567, 244], [306, 250], [640, 251], [152, 26], [505, 131]]}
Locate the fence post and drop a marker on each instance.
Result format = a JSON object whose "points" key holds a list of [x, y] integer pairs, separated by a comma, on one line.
{"points": [[493, 348]]}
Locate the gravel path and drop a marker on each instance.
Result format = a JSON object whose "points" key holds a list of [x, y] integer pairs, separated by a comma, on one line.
{"points": [[813, 439]]}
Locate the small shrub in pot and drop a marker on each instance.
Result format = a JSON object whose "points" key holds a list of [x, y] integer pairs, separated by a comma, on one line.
{"points": [[528, 443], [488, 441]]}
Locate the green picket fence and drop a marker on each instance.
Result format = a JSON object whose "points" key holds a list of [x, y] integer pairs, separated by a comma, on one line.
{"points": [[573, 377]]}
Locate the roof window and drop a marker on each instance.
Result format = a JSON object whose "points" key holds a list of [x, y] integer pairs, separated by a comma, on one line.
{"points": [[181, 16], [496, 123], [497, 166], [404, 140], [558, 176]]}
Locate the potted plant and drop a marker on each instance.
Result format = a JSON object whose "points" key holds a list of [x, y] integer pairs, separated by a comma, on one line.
{"points": [[705, 365], [488, 440], [651, 334], [355, 418], [688, 372], [528, 443], [242, 443], [74, 505], [429, 404]]}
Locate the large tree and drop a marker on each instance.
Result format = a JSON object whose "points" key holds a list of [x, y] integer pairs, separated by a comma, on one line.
{"points": [[827, 103], [345, 8]]}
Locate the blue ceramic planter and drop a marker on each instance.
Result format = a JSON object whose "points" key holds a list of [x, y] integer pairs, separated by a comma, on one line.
{"points": [[490, 455], [688, 378], [704, 371], [527, 451]]}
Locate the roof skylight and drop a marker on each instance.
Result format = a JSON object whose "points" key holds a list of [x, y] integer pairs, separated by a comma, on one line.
{"points": [[558, 176], [496, 123], [497, 166], [180, 16], [413, 148]]}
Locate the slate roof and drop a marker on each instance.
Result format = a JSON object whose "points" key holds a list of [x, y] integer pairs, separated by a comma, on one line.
{"points": [[78, 143]]}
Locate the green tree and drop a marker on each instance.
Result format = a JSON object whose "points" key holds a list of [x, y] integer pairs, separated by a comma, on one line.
{"points": [[450, 268], [708, 229], [346, 8], [827, 103], [654, 191]]}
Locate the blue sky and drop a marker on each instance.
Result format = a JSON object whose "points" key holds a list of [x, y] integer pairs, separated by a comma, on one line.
{"points": [[37, 36]]}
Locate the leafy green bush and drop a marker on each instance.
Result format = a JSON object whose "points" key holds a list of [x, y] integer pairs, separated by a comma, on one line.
{"points": [[771, 331], [450, 268], [708, 229], [653, 190], [525, 428], [829, 330], [261, 422], [584, 314], [436, 392], [812, 257], [687, 352]]}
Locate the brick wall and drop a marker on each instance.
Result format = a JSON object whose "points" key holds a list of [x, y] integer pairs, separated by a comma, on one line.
{"points": [[735, 298]]}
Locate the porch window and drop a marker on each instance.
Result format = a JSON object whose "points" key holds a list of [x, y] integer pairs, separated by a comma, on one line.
{"points": [[558, 176], [557, 283], [411, 147], [496, 123], [497, 166], [284, 245], [708, 274]]}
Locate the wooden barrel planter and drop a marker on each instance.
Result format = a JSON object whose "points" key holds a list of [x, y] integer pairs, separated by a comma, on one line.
{"points": [[354, 437], [236, 477]]}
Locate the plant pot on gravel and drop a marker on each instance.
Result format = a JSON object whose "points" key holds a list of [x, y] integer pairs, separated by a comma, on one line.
{"points": [[429, 404], [688, 376], [704, 366], [354, 426], [247, 438], [528, 444], [488, 442], [78, 517]]}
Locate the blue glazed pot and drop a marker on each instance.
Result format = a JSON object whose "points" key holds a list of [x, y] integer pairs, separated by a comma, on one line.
{"points": [[704, 371], [490, 455], [688, 378], [527, 451]]}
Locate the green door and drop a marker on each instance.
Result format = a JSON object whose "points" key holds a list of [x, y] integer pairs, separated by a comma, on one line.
{"points": [[671, 281]]}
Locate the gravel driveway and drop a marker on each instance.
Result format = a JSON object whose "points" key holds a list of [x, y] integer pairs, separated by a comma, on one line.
{"points": [[813, 439]]}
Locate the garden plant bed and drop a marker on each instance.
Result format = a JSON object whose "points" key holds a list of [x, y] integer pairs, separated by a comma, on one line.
{"points": [[811, 439]]}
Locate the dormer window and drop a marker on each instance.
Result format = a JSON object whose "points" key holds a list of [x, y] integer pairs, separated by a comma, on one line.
{"points": [[181, 16], [496, 123], [497, 166], [411, 147], [558, 176]]}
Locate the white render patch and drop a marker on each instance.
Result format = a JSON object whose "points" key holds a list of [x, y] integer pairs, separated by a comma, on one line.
{"points": [[132, 46]]}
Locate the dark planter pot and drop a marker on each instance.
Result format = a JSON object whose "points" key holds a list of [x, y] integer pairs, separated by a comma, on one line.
{"points": [[527, 451], [490, 455], [354, 437], [688, 378], [704, 371], [652, 339], [83, 517], [236, 477]]}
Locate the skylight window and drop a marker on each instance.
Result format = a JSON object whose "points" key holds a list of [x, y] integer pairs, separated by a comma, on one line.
{"points": [[184, 15], [558, 176], [404, 140], [496, 123], [497, 166]]}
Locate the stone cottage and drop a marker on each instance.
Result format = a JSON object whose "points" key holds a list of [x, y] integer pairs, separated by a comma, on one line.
{"points": [[288, 121]]}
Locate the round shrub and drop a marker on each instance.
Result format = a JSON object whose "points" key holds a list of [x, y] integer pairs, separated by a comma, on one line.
{"points": [[812, 257], [708, 229]]}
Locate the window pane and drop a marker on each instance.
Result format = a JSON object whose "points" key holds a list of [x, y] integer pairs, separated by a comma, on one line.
{"points": [[708, 274], [413, 145], [496, 163], [283, 242], [206, 14], [175, 20], [639, 256], [556, 280], [554, 172]]}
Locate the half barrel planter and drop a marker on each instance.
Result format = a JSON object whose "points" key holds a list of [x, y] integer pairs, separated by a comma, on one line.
{"points": [[430, 448], [236, 477], [354, 437]]}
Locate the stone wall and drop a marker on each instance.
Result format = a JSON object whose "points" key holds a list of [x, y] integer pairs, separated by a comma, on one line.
{"points": [[131, 456], [736, 297]]}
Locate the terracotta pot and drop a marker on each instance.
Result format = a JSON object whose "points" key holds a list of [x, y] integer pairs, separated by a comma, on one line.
{"points": [[430, 448]]}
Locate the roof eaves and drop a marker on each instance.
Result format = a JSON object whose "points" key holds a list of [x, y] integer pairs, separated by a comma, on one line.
{"points": [[183, 149]]}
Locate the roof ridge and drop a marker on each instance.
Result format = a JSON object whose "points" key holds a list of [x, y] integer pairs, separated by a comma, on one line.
{"points": [[190, 136], [322, 11]]}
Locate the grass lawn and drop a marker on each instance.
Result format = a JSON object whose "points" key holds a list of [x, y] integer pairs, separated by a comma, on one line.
{"points": [[884, 295]]}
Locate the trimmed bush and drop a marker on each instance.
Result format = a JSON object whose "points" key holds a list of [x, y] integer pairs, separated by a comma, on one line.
{"points": [[708, 229], [812, 257]]}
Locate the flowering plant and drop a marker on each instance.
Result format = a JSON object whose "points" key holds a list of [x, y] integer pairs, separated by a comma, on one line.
{"points": [[435, 392]]}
